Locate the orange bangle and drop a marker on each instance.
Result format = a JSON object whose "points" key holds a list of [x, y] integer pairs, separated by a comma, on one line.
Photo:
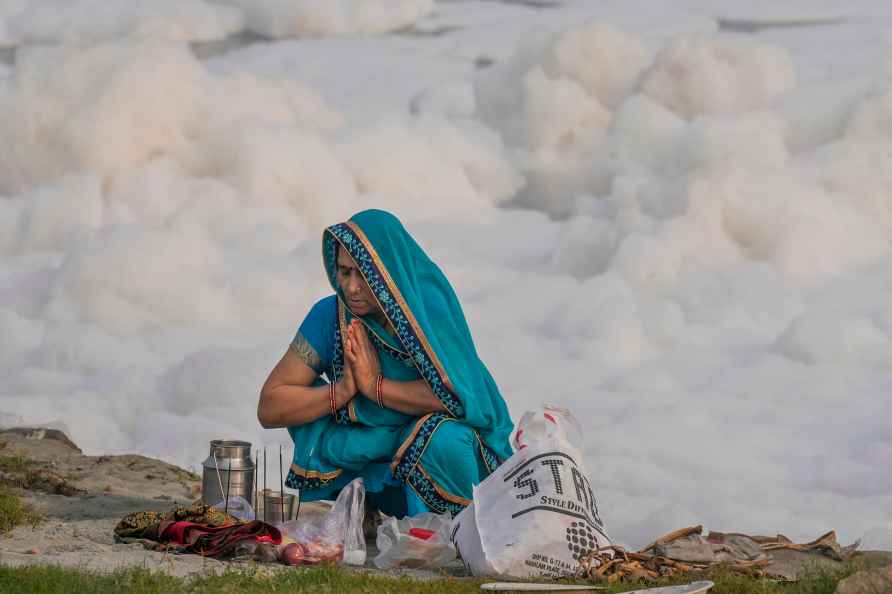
{"points": [[379, 391], [331, 399]]}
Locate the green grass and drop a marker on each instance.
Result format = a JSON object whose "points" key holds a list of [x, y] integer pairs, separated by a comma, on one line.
{"points": [[14, 512], [323, 580]]}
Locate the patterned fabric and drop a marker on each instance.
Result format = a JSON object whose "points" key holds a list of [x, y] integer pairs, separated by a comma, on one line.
{"points": [[294, 481], [299, 478], [145, 523], [407, 458], [426, 489], [489, 457], [409, 467], [402, 356]]}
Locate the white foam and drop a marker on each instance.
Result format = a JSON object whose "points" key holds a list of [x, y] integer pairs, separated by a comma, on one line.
{"points": [[300, 18], [698, 74], [81, 22]]}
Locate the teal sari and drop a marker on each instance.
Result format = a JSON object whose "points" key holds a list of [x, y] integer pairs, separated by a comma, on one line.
{"points": [[409, 464]]}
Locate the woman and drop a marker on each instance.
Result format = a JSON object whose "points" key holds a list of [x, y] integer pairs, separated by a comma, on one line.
{"points": [[408, 405]]}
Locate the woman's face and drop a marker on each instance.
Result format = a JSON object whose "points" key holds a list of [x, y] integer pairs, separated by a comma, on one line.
{"points": [[356, 291]]}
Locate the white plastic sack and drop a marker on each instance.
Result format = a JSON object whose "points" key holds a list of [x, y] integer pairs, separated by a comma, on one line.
{"points": [[536, 515], [421, 541]]}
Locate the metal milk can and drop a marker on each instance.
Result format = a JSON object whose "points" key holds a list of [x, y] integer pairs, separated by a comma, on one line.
{"points": [[228, 465]]}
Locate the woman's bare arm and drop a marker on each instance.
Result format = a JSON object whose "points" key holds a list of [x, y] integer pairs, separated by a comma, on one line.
{"points": [[287, 398], [412, 398]]}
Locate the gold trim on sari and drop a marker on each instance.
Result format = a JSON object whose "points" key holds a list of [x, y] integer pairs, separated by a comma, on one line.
{"points": [[312, 474], [443, 492], [405, 445], [395, 291]]}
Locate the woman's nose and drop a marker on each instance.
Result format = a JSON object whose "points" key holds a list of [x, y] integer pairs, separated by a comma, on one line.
{"points": [[353, 286]]}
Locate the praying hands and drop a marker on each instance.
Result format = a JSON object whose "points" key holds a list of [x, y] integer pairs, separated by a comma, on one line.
{"points": [[362, 359]]}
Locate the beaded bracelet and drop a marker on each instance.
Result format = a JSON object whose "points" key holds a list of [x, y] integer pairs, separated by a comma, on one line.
{"points": [[379, 391]]}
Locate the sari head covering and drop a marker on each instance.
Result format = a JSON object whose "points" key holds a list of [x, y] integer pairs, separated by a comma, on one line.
{"points": [[422, 307]]}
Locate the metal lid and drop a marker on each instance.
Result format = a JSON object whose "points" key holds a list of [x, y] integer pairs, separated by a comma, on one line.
{"points": [[230, 448]]}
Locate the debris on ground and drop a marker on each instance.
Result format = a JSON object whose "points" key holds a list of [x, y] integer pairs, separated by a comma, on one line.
{"points": [[688, 551]]}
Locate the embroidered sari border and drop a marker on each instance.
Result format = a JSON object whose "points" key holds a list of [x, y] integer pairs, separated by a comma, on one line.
{"points": [[441, 491], [420, 439], [401, 301], [408, 442], [311, 474], [489, 458], [427, 492]]}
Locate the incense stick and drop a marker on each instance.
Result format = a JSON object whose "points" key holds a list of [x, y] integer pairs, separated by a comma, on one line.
{"points": [[300, 491], [281, 485], [256, 488], [265, 491]]}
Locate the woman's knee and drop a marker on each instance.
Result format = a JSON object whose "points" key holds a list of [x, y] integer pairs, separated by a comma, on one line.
{"points": [[452, 443]]}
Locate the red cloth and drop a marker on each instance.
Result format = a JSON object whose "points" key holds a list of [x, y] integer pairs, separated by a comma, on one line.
{"points": [[216, 541]]}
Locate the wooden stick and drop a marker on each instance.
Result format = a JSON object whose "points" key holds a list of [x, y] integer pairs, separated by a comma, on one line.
{"points": [[300, 492], [256, 488], [228, 480]]}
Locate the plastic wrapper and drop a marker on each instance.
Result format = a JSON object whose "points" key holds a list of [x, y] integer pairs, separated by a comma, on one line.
{"points": [[550, 422], [422, 541], [237, 507], [333, 538]]}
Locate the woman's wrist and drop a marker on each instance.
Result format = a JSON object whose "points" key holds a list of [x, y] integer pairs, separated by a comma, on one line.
{"points": [[342, 394], [368, 389]]}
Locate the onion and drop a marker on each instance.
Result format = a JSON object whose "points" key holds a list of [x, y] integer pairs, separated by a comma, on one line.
{"points": [[292, 554]]}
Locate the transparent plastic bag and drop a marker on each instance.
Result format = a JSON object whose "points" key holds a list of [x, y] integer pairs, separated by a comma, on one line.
{"points": [[335, 537], [237, 507], [549, 421], [422, 541]]}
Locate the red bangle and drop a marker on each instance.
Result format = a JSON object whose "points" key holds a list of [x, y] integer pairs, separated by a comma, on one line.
{"points": [[379, 392], [331, 399]]}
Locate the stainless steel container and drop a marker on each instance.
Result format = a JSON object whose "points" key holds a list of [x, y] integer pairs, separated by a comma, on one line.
{"points": [[277, 509], [229, 463]]}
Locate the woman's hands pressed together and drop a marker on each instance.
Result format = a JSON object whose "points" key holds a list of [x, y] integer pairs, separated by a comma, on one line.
{"points": [[345, 388], [410, 397], [362, 359]]}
